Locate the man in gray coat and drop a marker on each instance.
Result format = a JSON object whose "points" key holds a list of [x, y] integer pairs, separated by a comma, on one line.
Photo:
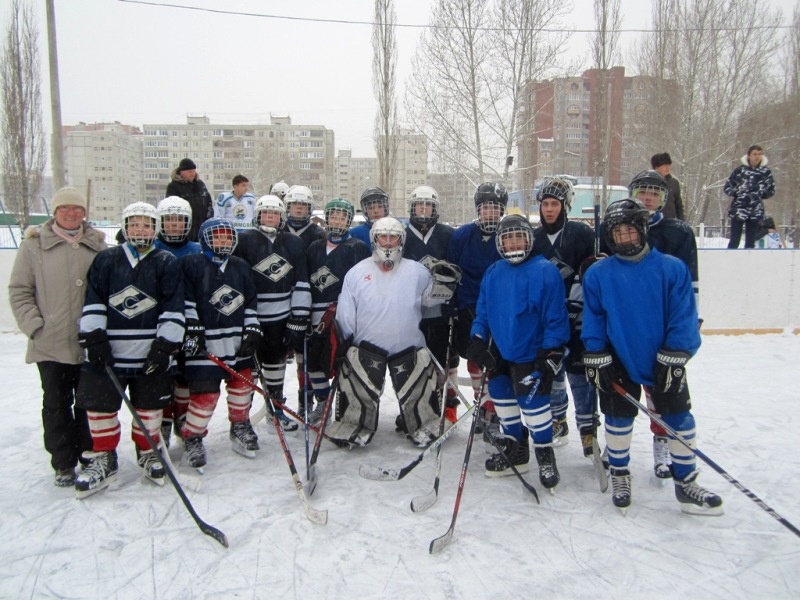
{"points": [[46, 293]]}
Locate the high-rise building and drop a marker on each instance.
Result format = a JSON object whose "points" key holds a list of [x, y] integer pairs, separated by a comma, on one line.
{"points": [[354, 175], [104, 161], [411, 169]]}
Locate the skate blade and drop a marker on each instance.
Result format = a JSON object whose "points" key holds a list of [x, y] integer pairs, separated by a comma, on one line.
{"points": [[659, 482], [560, 442], [159, 481], [506, 472], [80, 495], [236, 447], [200, 470], [623, 510], [702, 511]]}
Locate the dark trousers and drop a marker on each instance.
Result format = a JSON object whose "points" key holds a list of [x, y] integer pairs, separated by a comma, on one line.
{"points": [[66, 429], [750, 227]]}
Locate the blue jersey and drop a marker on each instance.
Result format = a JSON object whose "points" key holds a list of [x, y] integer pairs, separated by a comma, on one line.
{"points": [[637, 308], [327, 270], [473, 251], [135, 300], [223, 299], [361, 232], [522, 308], [184, 248]]}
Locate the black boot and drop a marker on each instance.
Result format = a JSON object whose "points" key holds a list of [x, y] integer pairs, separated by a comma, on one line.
{"points": [[548, 471]]}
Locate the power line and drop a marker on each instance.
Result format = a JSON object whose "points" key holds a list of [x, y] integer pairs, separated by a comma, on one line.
{"points": [[419, 26]]}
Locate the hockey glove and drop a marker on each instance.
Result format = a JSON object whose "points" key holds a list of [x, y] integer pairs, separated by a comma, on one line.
{"points": [[295, 332], [252, 340], [98, 350], [445, 276], [548, 363], [478, 352], [670, 371], [600, 371], [194, 342], [158, 358]]}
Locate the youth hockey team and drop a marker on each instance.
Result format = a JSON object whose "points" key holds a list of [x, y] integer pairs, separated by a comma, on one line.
{"points": [[168, 319]]}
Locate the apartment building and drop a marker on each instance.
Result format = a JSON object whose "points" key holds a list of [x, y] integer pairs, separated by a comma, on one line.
{"points": [[354, 175]]}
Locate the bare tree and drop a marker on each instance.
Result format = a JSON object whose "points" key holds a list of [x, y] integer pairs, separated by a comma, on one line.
{"points": [[384, 63], [23, 148]]}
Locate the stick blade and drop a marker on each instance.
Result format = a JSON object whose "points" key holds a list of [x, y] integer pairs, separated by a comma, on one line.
{"points": [[439, 543], [424, 502], [378, 473], [320, 517], [215, 533]]}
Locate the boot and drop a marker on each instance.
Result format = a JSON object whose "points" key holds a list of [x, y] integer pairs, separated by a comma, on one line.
{"points": [[548, 470], [560, 432], [661, 457], [98, 474], [621, 488], [195, 452], [517, 451], [696, 500], [151, 464]]}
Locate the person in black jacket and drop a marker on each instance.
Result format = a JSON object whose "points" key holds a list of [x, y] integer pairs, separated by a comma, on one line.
{"points": [[187, 185], [673, 204]]}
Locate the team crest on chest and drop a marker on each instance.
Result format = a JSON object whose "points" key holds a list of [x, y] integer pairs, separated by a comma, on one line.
{"points": [[226, 300], [273, 267], [131, 302], [323, 278]]}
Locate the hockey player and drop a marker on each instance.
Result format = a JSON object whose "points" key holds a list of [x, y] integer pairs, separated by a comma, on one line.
{"points": [[379, 310], [280, 274], [220, 318], [426, 242], [132, 321], [473, 249], [279, 189], [329, 261], [642, 339], [521, 309], [676, 238], [374, 206], [566, 244], [299, 203], [175, 222], [236, 205]]}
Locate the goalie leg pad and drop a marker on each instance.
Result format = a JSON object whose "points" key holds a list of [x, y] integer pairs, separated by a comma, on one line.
{"points": [[360, 385], [414, 381]]}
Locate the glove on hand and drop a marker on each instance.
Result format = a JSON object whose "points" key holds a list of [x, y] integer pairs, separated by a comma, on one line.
{"points": [[158, 358], [478, 352], [548, 362], [446, 276], [98, 350], [252, 340], [670, 371], [194, 342], [600, 371], [295, 332]]}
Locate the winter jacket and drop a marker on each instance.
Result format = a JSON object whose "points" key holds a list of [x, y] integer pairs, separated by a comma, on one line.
{"points": [[749, 187], [196, 194], [47, 288], [673, 207]]}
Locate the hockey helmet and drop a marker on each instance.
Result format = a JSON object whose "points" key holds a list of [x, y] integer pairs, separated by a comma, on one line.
{"points": [[372, 196], [650, 188], [338, 205], [174, 218], [269, 203], [300, 195], [138, 232], [489, 195], [424, 195], [388, 237], [279, 189], [218, 237], [630, 212], [514, 239]]}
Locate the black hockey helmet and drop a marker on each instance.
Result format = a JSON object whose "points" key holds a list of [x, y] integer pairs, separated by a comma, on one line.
{"points": [[372, 195], [514, 227], [626, 212], [560, 189], [491, 194], [646, 183]]}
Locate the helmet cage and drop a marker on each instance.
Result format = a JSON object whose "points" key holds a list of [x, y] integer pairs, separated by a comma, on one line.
{"points": [[512, 227], [299, 194], [649, 182], [211, 235], [174, 206], [139, 209], [626, 212], [342, 206], [387, 257], [265, 204]]}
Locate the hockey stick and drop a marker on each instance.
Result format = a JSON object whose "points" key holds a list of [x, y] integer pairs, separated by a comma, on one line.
{"points": [[306, 383], [442, 541], [312, 469], [448, 381], [702, 456], [425, 501], [204, 527], [320, 517]]}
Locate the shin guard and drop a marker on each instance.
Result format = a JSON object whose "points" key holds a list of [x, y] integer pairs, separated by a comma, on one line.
{"points": [[414, 381]]}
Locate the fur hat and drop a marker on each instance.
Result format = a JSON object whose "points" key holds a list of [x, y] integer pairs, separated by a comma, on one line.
{"points": [[660, 159], [68, 196], [187, 164]]}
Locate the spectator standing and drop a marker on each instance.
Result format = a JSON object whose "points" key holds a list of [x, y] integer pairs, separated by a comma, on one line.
{"points": [[673, 204], [237, 205], [187, 185], [748, 185]]}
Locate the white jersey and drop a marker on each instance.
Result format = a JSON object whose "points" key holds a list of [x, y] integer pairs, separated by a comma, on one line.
{"points": [[239, 211], [385, 308]]}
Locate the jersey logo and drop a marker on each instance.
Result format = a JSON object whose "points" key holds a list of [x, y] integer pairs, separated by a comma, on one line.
{"points": [[239, 211], [273, 267], [323, 278], [226, 300], [368, 277], [131, 302]]}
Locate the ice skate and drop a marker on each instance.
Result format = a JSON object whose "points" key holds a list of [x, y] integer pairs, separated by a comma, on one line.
{"points": [[548, 470], [287, 425], [65, 477], [195, 452], [98, 474], [661, 459], [151, 465], [696, 500], [621, 488], [517, 451], [315, 416], [244, 440], [166, 431], [560, 432]]}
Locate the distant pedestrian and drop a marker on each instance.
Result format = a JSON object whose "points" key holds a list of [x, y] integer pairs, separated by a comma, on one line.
{"points": [[187, 185], [749, 185], [673, 204], [236, 205], [46, 292]]}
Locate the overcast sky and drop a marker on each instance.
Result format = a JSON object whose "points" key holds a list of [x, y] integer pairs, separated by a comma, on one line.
{"points": [[137, 62]]}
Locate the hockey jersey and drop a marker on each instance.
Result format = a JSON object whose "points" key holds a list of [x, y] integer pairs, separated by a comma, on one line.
{"points": [[426, 247], [327, 270], [474, 252], [184, 248]]}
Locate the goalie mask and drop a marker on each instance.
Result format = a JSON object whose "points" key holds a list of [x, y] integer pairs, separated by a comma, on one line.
{"points": [[649, 188], [388, 236], [423, 208], [625, 227], [561, 190], [140, 224], [273, 206], [300, 201], [491, 200], [338, 217], [174, 219], [514, 238]]}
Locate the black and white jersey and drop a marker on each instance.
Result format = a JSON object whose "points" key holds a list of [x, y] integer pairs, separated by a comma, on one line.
{"points": [[135, 300], [566, 249], [327, 268], [422, 247], [223, 299], [310, 233], [676, 238], [279, 272]]}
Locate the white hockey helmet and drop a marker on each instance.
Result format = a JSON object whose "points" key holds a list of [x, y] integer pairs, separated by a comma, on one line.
{"points": [[143, 238], [279, 189], [388, 237], [299, 194], [269, 203], [174, 206], [424, 194]]}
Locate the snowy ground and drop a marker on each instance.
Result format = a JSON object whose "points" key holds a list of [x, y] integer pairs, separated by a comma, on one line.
{"points": [[137, 541]]}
